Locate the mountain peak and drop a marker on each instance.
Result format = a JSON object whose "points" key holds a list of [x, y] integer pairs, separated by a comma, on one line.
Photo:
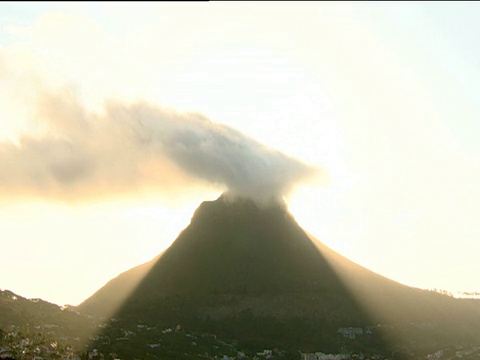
{"points": [[235, 207]]}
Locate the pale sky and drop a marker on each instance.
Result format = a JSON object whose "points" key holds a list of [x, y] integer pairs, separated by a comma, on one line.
{"points": [[381, 97]]}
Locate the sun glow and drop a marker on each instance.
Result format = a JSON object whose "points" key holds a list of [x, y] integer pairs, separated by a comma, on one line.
{"points": [[371, 96]]}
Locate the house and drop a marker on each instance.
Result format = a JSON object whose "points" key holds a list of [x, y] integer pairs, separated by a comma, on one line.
{"points": [[5, 353], [308, 356], [322, 356], [265, 353], [350, 332]]}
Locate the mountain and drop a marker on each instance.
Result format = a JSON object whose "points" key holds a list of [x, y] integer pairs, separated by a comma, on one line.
{"points": [[251, 273]]}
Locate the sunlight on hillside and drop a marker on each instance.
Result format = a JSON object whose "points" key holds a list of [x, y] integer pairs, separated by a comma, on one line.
{"points": [[122, 290], [365, 292]]}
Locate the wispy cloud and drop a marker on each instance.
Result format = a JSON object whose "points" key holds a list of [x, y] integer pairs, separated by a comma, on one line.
{"points": [[130, 147]]}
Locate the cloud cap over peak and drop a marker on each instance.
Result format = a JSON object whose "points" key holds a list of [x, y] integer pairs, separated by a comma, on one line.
{"points": [[136, 146]]}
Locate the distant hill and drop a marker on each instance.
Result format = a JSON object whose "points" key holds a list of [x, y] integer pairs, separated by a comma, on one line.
{"points": [[251, 273], [36, 315], [15, 309]]}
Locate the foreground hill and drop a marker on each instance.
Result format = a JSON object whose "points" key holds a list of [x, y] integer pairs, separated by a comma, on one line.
{"points": [[251, 273]]}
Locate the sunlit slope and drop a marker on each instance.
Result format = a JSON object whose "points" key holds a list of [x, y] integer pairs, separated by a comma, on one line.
{"points": [[390, 301], [113, 295], [248, 271], [411, 318]]}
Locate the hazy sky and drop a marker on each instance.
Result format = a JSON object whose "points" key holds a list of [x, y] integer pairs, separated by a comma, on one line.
{"points": [[380, 98]]}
